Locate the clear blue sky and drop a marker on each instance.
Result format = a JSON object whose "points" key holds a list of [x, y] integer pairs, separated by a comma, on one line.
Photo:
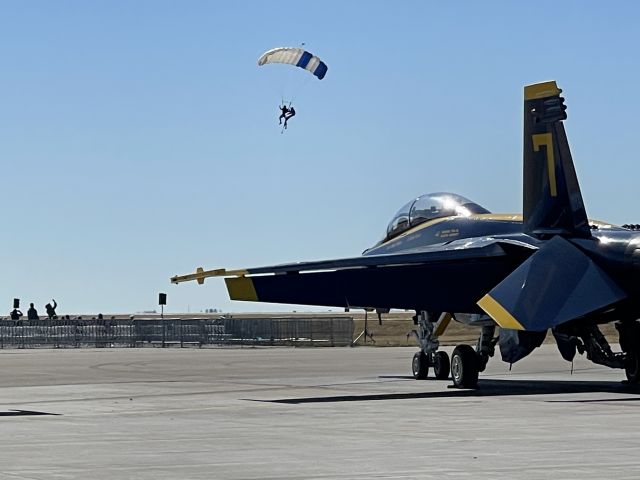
{"points": [[139, 140]]}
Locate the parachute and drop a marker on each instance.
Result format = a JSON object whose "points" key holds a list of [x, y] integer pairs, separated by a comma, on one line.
{"points": [[298, 57]]}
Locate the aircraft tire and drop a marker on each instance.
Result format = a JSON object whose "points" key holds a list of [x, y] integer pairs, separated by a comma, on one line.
{"points": [[420, 365], [441, 365], [632, 366], [464, 367]]}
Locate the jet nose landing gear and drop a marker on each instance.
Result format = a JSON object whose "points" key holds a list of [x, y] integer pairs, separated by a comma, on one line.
{"points": [[441, 365], [421, 363], [432, 325], [466, 362]]}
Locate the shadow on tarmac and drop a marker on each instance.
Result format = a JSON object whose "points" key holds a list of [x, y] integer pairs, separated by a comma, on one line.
{"points": [[24, 413], [491, 388]]}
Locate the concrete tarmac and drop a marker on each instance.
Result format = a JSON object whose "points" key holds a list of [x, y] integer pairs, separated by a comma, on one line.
{"points": [[323, 413]]}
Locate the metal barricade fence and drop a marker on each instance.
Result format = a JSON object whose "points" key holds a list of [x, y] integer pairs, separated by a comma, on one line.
{"points": [[307, 331], [329, 331]]}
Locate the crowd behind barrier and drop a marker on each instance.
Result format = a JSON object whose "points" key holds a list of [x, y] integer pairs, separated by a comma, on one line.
{"points": [[164, 332]]}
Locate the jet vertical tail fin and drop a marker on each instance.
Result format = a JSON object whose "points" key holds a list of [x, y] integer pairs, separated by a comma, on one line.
{"points": [[559, 282], [552, 202]]}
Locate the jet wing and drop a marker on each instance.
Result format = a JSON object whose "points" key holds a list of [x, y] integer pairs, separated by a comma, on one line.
{"points": [[448, 277]]}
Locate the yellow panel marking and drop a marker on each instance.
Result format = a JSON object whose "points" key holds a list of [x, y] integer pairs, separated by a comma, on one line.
{"points": [[442, 324], [499, 313], [546, 139], [541, 90], [241, 288]]}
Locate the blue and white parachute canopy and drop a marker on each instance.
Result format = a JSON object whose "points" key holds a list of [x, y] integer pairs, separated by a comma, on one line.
{"points": [[298, 57]]}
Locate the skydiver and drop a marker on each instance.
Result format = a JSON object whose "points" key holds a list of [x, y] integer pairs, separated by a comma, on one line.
{"points": [[288, 115], [284, 111]]}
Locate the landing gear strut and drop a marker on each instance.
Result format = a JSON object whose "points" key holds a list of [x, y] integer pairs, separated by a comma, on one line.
{"points": [[486, 346], [432, 325]]}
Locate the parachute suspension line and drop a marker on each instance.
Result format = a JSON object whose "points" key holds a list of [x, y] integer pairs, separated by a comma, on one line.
{"points": [[295, 86], [299, 58], [287, 85], [300, 88]]}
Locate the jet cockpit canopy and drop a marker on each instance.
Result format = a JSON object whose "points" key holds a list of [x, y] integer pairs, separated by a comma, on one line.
{"points": [[429, 206]]}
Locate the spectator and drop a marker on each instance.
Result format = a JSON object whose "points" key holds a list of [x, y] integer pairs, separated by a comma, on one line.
{"points": [[16, 314], [32, 313]]}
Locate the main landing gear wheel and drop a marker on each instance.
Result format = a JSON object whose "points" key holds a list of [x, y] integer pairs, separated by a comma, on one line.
{"points": [[420, 365], [632, 366], [441, 365], [464, 367]]}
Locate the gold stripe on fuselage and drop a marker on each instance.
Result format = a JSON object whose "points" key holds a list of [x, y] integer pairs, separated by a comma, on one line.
{"points": [[504, 217], [499, 217]]}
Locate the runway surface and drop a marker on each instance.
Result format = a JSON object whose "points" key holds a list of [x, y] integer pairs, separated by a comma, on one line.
{"points": [[284, 413]]}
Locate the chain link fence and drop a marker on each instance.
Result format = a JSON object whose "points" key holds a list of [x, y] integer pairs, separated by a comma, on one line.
{"points": [[307, 331]]}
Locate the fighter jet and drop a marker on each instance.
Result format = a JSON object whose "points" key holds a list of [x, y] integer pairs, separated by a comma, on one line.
{"points": [[515, 275]]}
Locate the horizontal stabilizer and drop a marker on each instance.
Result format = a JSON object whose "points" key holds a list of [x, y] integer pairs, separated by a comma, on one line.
{"points": [[556, 284]]}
